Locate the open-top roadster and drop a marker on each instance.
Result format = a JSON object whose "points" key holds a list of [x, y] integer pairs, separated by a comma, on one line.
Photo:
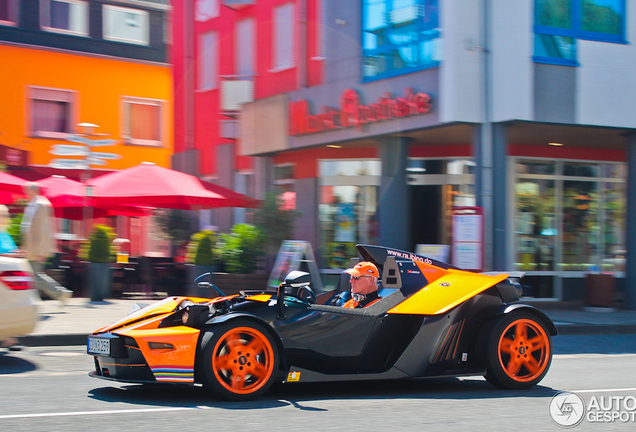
{"points": [[433, 320]]}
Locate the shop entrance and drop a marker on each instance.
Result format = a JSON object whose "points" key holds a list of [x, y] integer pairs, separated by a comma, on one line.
{"points": [[435, 187], [426, 215]]}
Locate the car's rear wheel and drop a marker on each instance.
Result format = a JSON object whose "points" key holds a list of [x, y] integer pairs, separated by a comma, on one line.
{"points": [[239, 360], [518, 351]]}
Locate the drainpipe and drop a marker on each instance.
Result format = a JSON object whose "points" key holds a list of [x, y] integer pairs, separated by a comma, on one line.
{"points": [[484, 155], [302, 43]]}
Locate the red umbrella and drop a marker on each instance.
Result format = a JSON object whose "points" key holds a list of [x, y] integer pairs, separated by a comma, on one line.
{"points": [[10, 198], [64, 192], [68, 199], [11, 183], [235, 199], [151, 185]]}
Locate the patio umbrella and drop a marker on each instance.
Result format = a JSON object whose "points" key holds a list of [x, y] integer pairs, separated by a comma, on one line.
{"points": [[235, 199], [10, 198], [11, 183], [68, 199], [151, 185]]}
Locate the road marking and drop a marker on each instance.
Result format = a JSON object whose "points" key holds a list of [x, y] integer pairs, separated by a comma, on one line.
{"points": [[571, 356], [84, 413], [41, 374], [605, 390]]}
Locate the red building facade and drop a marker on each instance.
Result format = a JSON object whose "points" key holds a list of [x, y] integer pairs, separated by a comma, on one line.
{"points": [[226, 53]]}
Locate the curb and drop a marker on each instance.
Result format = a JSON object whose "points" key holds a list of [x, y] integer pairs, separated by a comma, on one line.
{"points": [[563, 330], [597, 329], [53, 340]]}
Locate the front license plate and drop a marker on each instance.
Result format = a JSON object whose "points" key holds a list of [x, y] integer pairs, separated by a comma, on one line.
{"points": [[98, 346]]}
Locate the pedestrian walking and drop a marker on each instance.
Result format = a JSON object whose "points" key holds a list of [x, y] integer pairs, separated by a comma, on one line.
{"points": [[38, 240], [7, 245]]}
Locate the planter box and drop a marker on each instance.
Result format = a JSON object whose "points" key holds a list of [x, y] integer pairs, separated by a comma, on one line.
{"points": [[99, 280], [599, 289], [193, 272], [232, 284]]}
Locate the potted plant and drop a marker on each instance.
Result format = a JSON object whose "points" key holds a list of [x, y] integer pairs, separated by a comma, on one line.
{"points": [[241, 253], [99, 256], [200, 258]]}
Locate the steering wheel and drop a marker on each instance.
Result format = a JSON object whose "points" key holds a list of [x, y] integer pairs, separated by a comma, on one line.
{"points": [[306, 294]]}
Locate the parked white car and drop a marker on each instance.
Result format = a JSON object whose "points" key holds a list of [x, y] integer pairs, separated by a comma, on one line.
{"points": [[18, 299]]}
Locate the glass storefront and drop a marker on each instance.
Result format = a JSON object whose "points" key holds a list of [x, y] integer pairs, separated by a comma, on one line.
{"points": [[569, 216], [347, 210]]}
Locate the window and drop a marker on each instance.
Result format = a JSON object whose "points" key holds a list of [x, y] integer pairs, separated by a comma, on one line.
{"points": [[126, 25], [559, 23], [8, 12], [208, 63], [142, 121], [569, 216], [348, 201], [399, 36], [284, 37], [52, 113], [244, 47], [65, 16], [206, 9]]}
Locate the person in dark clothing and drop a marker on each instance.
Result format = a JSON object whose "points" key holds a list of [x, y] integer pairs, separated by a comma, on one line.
{"points": [[364, 285]]}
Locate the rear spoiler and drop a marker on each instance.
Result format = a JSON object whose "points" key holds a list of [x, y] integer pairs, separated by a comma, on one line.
{"points": [[510, 290]]}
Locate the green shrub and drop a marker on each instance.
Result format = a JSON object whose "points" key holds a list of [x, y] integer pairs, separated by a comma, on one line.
{"points": [[14, 229], [200, 248], [100, 244], [242, 250]]}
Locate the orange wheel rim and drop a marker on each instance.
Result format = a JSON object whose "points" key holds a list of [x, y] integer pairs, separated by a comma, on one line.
{"points": [[524, 350], [243, 360]]}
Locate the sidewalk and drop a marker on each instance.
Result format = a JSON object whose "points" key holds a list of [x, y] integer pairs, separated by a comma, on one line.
{"points": [[69, 325]]}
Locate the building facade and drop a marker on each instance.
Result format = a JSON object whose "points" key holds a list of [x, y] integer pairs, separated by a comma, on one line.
{"points": [[68, 62], [425, 107]]}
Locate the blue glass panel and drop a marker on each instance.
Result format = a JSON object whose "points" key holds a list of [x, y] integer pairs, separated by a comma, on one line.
{"points": [[560, 47], [399, 36], [602, 16]]}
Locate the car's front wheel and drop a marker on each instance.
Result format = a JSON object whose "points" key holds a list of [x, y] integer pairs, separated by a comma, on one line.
{"points": [[239, 360], [517, 350]]}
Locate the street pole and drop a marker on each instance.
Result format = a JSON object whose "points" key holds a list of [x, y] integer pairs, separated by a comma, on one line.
{"points": [[86, 174]]}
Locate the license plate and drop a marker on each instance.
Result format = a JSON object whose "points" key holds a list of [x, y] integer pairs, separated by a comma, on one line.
{"points": [[98, 346]]}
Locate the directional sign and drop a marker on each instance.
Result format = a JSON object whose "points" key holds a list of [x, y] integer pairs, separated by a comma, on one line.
{"points": [[101, 142], [95, 161], [77, 139], [67, 164], [69, 150], [111, 156]]}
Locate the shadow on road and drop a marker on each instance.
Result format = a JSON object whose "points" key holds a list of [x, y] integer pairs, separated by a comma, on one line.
{"points": [[301, 395], [594, 344], [10, 365]]}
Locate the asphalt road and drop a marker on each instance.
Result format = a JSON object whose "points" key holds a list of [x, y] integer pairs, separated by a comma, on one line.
{"points": [[47, 389]]}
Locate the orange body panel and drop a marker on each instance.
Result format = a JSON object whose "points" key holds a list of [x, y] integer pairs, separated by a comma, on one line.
{"points": [[447, 289], [163, 307], [259, 298], [168, 365]]}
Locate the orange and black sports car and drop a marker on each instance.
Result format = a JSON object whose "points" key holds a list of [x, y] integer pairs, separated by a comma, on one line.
{"points": [[433, 320]]}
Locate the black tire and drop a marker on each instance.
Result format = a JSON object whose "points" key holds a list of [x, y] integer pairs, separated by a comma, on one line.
{"points": [[239, 360], [516, 349]]}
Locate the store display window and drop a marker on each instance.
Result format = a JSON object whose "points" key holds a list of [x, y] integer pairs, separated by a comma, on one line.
{"points": [[347, 208], [569, 216]]}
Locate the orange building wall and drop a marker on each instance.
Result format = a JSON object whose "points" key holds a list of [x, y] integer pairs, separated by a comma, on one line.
{"points": [[100, 83]]}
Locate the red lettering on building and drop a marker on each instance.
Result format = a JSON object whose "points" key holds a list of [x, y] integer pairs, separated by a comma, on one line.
{"points": [[352, 114]]}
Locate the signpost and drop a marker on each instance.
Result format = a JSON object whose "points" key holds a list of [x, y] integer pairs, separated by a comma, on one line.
{"points": [[83, 147], [89, 156]]}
